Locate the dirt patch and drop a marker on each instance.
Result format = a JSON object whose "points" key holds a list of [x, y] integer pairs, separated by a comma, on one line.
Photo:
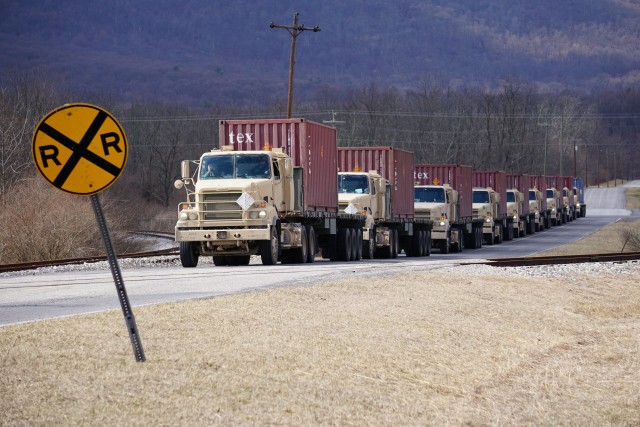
{"points": [[421, 349]]}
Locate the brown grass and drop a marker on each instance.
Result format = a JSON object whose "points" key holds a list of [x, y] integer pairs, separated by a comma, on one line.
{"points": [[410, 349], [633, 197]]}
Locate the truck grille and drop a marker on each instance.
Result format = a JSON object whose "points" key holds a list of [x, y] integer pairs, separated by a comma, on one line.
{"points": [[217, 206], [423, 214], [476, 214]]}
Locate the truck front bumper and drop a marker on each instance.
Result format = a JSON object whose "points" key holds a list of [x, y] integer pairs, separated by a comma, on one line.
{"points": [[223, 236]]}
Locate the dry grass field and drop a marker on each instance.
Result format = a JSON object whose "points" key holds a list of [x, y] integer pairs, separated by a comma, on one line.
{"points": [[438, 348]]}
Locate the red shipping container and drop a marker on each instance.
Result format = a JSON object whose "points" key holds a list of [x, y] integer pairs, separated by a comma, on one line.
{"points": [[496, 180], [458, 177], [520, 182], [312, 146], [539, 182], [392, 164]]}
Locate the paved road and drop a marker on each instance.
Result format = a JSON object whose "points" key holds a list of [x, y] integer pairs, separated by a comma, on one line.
{"points": [[608, 200]]}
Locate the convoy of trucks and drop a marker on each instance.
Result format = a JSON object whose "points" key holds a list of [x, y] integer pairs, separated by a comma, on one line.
{"points": [[283, 190]]}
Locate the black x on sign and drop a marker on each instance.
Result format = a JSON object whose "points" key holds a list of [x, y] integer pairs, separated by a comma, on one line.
{"points": [[80, 149]]}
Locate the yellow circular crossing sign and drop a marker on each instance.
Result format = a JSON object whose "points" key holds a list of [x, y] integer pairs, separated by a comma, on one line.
{"points": [[80, 149]]}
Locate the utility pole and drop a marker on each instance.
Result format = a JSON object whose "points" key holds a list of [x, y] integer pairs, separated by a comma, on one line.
{"points": [[295, 30]]}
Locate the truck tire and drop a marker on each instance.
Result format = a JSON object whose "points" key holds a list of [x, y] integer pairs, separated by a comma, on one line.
{"points": [[445, 245], [238, 260], [219, 260], [270, 249], [500, 237], [299, 255], [357, 243], [395, 243], [426, 242], [508, 233], [313, 244], [369, 247], [344, 244], [189, 254]]}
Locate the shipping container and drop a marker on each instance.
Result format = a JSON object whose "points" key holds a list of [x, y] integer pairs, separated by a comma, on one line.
{"points": [[540, 183], [496, 180], [391, 163], [311, 146], [520, 182], [458, 177], [578, 189]]}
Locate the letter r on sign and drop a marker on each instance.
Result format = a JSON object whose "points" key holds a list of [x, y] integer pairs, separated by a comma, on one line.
{"points": [[49, 152], [110, 139]]}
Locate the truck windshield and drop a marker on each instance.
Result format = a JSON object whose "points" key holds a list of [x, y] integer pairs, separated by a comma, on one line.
{"points": [[532, 195], [549, 194], [429, 195], [357, 184], [236, 166], [511, 197], [481, 197]]}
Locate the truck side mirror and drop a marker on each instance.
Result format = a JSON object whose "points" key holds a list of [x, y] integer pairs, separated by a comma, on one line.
{"points": [[185, 169]]}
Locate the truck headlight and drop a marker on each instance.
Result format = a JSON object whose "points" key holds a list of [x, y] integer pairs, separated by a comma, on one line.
{"points": [[253, 214], [262, 214], [515, 217], [193, 215], [183, 216], [442, 223]]}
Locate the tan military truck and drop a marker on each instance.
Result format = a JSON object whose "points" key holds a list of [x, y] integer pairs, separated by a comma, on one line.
{"points": [[490, 205], [269, 190], [443, 194], [377, 182], [515, 200]]}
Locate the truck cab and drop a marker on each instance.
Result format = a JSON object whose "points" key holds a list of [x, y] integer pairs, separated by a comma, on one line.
{"points": [[485, 207], [367, 194], [535, 206], [515, 199], [439, 203], [234, 208], [555, 206]]}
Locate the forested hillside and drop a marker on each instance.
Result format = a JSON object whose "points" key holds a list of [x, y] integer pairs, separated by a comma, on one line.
{"points": [[209, 52]]}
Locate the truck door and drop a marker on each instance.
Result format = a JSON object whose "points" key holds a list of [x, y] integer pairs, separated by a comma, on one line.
{"points": [[278, 190]]}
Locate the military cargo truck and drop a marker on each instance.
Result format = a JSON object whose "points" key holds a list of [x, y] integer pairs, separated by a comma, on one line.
{"points": [[538, 201], [578, 197], [490, 205]]}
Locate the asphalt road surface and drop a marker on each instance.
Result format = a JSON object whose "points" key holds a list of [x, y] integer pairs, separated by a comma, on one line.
{"points": [[49, 295]]}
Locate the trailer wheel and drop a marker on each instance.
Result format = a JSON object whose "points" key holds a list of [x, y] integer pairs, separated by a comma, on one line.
{"points": [[313, 244], [357, 243], [189, 254], [269, 249], [426, 242], [395, 243], [344, 244]]}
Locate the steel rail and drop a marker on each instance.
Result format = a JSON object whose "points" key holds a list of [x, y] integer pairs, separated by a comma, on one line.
{"points": [[5, 268], [563, 259]]}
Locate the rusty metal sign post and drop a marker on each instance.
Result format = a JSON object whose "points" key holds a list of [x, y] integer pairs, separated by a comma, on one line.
{"points": [[81, 149]]}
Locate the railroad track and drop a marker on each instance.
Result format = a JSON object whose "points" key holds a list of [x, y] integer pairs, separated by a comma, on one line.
{"points": [[564, 259]]}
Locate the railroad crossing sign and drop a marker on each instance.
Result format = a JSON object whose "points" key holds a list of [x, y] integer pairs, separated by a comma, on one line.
{"points": [[80, 149]]}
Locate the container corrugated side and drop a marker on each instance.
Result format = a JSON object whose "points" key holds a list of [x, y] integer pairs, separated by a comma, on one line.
{"points": [[391, 163], [311, 146], [496, 180], [459, 177]]}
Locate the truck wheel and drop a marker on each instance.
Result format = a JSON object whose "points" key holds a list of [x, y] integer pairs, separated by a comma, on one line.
{"points": [[269, 249], [445, 245], [219, 260], [395, 243], [426, 242], [500, 237], [344, 244], [238, 260], [369, 247], [508, 234], [313, 244], [357, 244], [299, 255], [189, 254]]}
